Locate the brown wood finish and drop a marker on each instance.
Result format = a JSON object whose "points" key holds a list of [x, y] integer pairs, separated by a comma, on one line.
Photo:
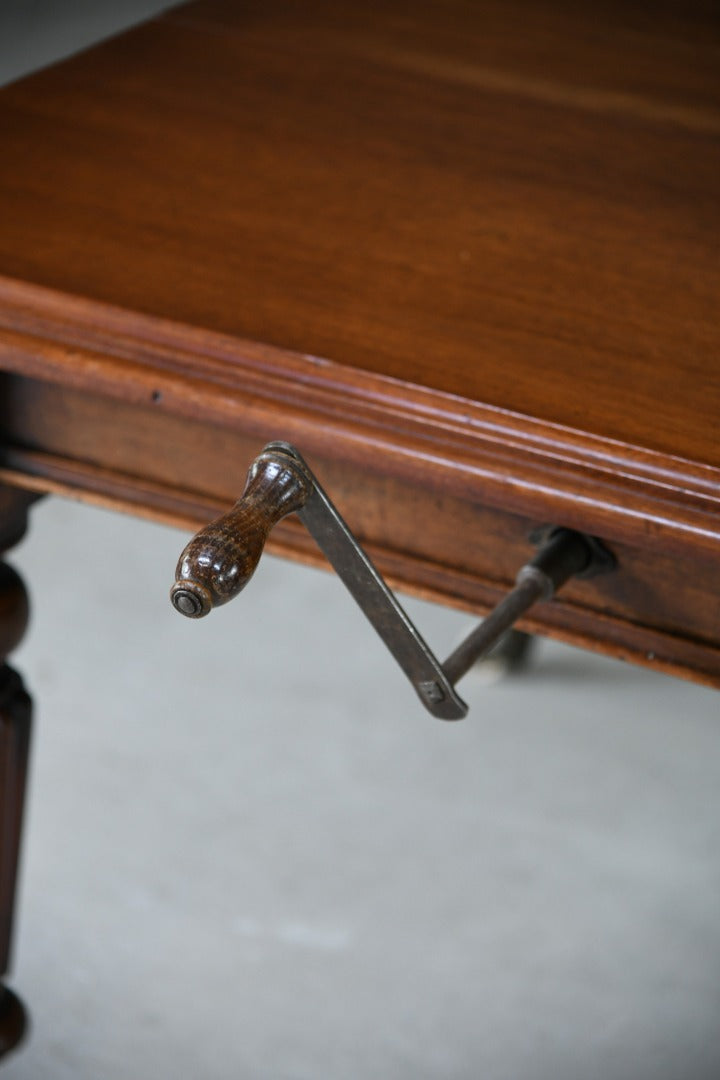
{"points": [[513, 202], [463, 255], [219, 561], [649, 610], [15, 720]]}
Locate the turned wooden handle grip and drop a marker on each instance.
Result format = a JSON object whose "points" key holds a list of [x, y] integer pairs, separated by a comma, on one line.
{"points": [[220, 559]]}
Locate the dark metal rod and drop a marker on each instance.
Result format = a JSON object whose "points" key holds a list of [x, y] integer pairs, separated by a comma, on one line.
{"points": [[374, 597], [486, 634], [564, 554]]}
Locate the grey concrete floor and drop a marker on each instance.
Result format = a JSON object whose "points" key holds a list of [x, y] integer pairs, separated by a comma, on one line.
{"points": [[249, 854], [34, 33]]}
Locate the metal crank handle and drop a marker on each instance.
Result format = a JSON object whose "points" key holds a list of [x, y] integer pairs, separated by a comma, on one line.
{"points": [[220, 560]]}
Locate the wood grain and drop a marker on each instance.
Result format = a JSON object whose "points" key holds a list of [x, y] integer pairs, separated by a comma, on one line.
{"points": [[442, 442], [463, 255], [440, 541], [219, 561], [516, 203]]}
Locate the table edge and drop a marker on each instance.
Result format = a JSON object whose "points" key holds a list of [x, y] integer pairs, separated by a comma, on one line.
{"points": [[446, 443]]}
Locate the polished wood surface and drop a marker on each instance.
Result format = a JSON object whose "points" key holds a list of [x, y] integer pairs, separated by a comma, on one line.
{"points": [[463, 254], [219, 561], [513, 202]]}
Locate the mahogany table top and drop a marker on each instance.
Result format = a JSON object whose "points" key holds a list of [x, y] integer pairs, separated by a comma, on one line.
{"points": [[516, 203], [463, 253]]}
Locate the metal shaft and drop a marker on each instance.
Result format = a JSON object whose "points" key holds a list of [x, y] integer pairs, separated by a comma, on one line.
{"points": [[486, 634], [566, 553], [379, 603]]}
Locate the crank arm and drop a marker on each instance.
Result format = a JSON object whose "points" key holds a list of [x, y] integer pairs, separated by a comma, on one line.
{"points": [[220, 560]]}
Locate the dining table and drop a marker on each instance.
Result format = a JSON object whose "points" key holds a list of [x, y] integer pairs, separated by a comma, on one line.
{"points": [[462, 256]]}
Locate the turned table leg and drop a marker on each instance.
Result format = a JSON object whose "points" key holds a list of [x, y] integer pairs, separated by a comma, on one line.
{"points": [[15, 719]]}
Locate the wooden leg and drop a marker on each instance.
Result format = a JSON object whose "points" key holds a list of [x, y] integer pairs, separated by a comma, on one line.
{"points": [[15, 719]]}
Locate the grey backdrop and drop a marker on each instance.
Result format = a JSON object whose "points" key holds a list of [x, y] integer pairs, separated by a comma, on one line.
{"points": [[249, 854]]}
